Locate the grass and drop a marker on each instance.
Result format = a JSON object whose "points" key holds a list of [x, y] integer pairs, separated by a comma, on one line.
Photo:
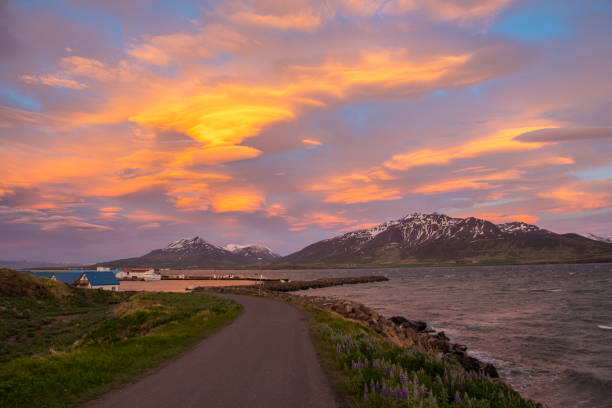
{"points": [[59, 348], [370, 371]]}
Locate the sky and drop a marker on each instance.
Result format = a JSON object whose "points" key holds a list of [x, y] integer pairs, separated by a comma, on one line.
{"points": [[125, 125]]}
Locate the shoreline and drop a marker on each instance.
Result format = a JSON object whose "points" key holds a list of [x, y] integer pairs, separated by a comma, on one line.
{"points": [[408, 334], [299, 267]]}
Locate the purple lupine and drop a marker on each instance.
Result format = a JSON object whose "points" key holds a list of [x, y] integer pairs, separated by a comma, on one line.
{"points": [[339, 348], [457, 398], [366, 363], [372, 385], [403, 377], [422, 392]]}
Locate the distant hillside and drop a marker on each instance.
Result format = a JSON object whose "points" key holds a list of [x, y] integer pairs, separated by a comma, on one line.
{"points": [[437, 238], [197, 252]]}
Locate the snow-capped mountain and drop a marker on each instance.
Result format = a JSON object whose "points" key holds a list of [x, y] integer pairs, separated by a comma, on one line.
{"points": [[188, 252], [252, 252], [439, 238], [598, 238]]}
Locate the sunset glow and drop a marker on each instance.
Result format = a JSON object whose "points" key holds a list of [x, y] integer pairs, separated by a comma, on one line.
{"points": [[125, 127]]}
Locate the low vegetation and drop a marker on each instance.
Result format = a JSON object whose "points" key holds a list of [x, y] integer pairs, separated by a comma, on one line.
{"points": [[373, 372], [60, 346]]}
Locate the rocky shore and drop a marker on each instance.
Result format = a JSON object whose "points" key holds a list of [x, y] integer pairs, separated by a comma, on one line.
{"points": [[401, 331]]}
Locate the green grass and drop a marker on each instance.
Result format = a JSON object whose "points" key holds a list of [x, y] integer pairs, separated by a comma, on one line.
{"points": [[370, 371], [61, 350]]}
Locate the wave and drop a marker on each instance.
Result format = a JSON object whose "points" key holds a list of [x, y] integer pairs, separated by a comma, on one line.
{"points": [[588, 381], [602, 327]]}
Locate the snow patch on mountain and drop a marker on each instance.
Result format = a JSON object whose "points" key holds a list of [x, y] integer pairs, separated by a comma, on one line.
{"points": [[237, 248], [186, 243], [597, 237], [517, 227]]}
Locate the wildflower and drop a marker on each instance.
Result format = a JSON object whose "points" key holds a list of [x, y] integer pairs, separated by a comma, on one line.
{"points": [[457, 398]]}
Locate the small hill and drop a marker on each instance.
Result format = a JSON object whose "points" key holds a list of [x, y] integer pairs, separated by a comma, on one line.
{"points": [[21, 284]]}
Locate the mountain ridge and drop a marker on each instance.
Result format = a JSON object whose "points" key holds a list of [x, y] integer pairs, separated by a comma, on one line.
{"points": [[190, 252], [435, 238], [414, 238]]}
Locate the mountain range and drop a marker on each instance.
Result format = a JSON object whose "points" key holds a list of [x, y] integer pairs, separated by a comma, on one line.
{"points": [[415, 238], [197, 252]]}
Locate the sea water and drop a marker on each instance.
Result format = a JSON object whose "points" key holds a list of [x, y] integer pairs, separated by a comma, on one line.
{"points": [[547, 328]]}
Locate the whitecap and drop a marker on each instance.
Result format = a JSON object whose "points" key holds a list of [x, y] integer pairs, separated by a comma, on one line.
{"points": [[601, 326]]}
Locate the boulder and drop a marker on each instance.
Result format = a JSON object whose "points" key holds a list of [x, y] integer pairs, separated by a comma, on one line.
{"points": [[417, 325]]}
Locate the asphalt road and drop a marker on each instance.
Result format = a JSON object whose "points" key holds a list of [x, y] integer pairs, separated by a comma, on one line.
{"points": [[264, 358]]}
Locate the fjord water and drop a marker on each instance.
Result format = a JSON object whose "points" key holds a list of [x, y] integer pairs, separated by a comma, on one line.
{"points": [[547, 328]]}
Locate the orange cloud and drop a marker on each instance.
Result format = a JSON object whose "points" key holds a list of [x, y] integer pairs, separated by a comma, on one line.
{"points": [[570, 199], [549, 161], [503, 141], [358, 187], [54, 81], [300, 21], [110, 209], [311, 142], [238, 200], [319, 219], [148, 53], [469, 183], [214, 155], [503, 218], [460, 10]]}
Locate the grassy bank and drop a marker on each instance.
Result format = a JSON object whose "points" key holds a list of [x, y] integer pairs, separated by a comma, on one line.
{"points": [[370, 371], [60, 346]]}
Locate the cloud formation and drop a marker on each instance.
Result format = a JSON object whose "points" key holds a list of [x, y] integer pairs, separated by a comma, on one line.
{"points": [[287, 122]]}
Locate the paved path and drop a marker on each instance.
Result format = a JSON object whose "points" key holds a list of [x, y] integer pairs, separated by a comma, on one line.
{"points": [[264, 358]]}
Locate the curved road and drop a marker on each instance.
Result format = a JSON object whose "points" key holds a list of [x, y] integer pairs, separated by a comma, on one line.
{"points": [[264, 358]]}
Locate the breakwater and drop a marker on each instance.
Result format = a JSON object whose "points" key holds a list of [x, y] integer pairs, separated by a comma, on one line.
{"points": [[320, 283]]}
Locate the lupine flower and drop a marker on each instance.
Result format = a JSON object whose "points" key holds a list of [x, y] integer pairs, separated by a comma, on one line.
{"points": [[457, 398]]}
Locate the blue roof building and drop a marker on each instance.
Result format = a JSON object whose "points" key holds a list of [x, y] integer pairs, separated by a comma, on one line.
{"points": [[85, 278], [106, 278]]}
